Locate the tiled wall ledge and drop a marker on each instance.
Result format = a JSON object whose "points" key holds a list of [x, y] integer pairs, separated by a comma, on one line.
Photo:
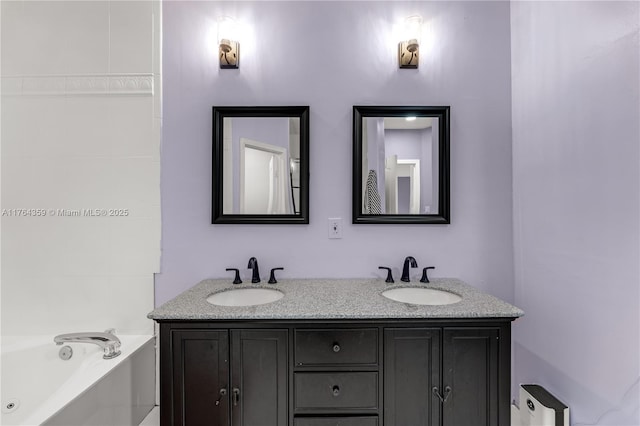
{"points": [[78, 85]]}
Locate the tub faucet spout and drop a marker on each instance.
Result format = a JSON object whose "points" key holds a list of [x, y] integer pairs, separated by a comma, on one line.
{"points": [[109, 343], [410, 260]]}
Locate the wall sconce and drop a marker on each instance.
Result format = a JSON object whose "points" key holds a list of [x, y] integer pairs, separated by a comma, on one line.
{"points": [[409, 48], [228, 45]]}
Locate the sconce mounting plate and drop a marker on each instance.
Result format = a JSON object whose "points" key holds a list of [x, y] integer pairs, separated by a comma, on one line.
{"points": [[408, 54], [229, 54]]}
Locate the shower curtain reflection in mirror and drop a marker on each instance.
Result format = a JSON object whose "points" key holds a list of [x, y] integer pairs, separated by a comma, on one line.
{"points": [[260, 154], [264, 182]]}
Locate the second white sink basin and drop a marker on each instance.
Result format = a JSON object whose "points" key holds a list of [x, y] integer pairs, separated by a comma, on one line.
{"points": [[421, 296], [245, 297]]}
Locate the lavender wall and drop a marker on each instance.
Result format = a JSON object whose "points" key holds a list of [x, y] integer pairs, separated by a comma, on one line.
{"points": [[331, 56], [576, 204], [404, 143]]}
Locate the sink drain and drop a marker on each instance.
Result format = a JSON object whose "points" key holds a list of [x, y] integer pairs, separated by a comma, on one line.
{"points": [[10, 405]]}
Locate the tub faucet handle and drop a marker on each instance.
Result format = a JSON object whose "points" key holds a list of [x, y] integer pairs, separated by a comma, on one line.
{"points": [[425, 278], [389, 275]]}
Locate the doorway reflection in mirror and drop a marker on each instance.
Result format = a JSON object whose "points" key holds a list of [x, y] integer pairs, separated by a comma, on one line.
{"points": [[261, 172], [400, 165]]}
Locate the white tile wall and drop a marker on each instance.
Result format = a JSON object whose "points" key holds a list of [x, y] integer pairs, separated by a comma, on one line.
{"points": [[28, 127], [131, 36], [74, 138], [88, 127], [131, 129], [44, 248], [55, 37]]}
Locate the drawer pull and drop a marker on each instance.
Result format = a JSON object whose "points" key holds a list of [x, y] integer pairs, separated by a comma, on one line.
{"points": [[336, 347], [335, 390]]}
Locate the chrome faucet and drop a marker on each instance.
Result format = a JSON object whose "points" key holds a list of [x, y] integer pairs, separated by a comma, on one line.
{"points": [[405, 270], [253, 264], [109, 343]]}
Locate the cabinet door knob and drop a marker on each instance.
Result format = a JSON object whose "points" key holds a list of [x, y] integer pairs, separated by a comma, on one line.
{"points": [[236, 396], [223, 392], [335, 390], [336, 347]]}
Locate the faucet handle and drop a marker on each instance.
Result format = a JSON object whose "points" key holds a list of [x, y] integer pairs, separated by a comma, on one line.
{"points": [[389, 276], [110, 331], [272, 278], [425, 278], [237, 279]]}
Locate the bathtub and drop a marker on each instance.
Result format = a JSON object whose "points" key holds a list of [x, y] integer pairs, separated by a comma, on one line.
{"points": [[38, 387]]}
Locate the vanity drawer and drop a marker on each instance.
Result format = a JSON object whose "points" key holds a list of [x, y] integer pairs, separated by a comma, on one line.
{"points": [[336, 421], [336, 390], [336, 347]]}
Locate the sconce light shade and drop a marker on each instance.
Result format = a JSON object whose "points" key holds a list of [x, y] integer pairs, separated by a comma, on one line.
{"points": [[409, 47], [228, 46]]}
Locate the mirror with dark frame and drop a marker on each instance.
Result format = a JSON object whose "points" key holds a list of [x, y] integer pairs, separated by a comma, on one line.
{"points": [[401, 164], [260, 165]]}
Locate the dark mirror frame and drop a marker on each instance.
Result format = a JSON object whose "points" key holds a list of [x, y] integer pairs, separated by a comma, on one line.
{"points": [[222, 112], [440, 112]]}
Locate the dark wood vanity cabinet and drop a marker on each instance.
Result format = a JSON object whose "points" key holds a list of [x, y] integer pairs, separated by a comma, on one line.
{"points": [[225, 377], [446, 376], [411, 371], [199, 382], [471, 369], [359, 373], [337, 376]]}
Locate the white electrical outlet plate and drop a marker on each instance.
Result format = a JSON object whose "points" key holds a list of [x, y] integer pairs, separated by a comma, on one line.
{"points": [[335, 227]]}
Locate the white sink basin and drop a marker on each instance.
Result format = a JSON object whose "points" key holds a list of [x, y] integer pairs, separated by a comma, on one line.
{"points": [[245, 297], [421, 296]]}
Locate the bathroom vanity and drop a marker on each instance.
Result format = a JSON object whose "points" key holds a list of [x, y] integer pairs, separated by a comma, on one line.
{"points": [[335, 352]]}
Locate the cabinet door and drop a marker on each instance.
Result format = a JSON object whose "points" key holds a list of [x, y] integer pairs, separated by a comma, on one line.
{"points": [[259, 377], [411, 370], [470, 370], [200, 361]]}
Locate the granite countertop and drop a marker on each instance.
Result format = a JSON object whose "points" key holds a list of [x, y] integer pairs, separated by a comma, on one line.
{"points": [[340, 299]]}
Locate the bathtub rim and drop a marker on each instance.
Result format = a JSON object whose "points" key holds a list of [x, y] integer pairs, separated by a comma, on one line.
{"points": [[93, 371]]}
